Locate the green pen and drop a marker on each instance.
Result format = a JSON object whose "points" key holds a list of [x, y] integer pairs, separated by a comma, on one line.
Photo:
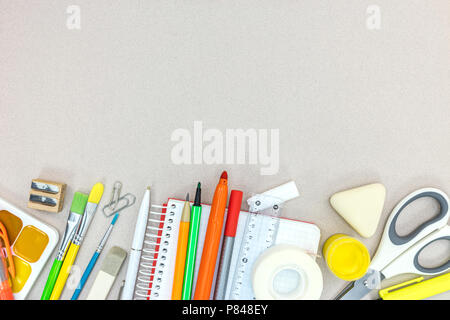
{"points": [[76, 212], [191, 253]]}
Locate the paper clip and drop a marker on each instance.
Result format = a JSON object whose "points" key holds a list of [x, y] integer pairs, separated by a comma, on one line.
{"points": [[115, 195], [123, 202]]}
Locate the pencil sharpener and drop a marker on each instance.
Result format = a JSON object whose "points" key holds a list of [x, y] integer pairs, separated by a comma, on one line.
{"points": [[46, 195]]}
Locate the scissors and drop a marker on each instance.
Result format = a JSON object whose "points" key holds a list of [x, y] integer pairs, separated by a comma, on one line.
{"points": [[400, 254]]}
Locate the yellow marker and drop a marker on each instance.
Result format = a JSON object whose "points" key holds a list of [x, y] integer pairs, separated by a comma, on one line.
{"points": [[418, 291], [94, 198]]}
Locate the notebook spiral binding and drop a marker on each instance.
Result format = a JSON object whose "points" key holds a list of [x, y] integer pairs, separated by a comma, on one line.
{"points": [[154, 251]]}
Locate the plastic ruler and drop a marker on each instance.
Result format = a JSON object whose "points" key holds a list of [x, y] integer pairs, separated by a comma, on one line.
{"points": [[257, 237]]}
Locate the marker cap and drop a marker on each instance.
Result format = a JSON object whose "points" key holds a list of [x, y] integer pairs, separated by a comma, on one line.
{"points": [[234, 207]]}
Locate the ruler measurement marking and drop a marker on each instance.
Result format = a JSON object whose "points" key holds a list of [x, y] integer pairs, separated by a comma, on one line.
{"points": [[252, 230]]}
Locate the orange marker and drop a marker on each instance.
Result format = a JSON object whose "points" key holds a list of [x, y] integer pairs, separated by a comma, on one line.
{"points": [[212, 240], [180, 261]]}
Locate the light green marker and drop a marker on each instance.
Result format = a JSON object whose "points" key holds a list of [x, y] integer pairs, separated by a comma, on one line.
{"points": [[191, 253]]}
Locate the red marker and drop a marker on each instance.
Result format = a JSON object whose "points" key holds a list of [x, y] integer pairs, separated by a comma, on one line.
{"points": [[234, 208]]}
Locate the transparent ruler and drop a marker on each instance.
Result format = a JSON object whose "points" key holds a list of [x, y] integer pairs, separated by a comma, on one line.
{"points": [[260, 233]]}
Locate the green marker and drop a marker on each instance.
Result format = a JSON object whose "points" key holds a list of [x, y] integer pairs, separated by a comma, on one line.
{"points": [[76, 212], [191, 253]]}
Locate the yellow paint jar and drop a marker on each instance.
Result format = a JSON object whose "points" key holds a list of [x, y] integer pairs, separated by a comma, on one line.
{"points": [[347, 257]]}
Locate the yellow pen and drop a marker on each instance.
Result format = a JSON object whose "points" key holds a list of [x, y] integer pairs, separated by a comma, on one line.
{"points": [[94, 198], [417, 289]]}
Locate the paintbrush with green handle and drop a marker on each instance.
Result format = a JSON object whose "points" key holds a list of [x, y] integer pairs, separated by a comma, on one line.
{"points": [[75, 214]]}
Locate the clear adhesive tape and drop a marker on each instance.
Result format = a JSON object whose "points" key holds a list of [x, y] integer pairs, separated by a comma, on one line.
{"points": [[267, 276]]}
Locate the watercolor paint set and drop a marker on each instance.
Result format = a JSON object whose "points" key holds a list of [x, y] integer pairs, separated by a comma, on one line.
{"points": [[32, 242]]}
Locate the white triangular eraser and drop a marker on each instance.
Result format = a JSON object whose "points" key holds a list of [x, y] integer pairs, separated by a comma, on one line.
{"points": [[361, 207]]}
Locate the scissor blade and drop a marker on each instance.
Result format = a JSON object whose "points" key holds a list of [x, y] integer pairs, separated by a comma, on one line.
{"points": [[358, 289], [354, 291]]}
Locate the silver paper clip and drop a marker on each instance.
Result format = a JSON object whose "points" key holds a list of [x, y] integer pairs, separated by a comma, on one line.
{"points": [[115, 194], [117, 202]]}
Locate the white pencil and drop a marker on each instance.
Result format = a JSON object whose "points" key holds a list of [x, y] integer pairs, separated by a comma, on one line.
{"points": [[136, 247]]}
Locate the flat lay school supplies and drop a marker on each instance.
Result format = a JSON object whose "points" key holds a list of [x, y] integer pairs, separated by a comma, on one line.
{"points": [[361, 207], [234, 209], [94, 259], [417, 289], [180, 262], [199, 251], [46, 195], [107, 274], [191, 253], [7, 268], [31, 242], [212, 240], [94, 198], [156, 272], [346, 257], [75, 214], [400, 254], [136, 247]]}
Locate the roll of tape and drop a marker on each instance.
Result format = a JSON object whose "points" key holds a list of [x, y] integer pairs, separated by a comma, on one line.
{"points": [[278, 262]]}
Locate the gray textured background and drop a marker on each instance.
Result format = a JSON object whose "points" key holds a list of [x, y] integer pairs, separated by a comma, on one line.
{"points": [[353, 106]]}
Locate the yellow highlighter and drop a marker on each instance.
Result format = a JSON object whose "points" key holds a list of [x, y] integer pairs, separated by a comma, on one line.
{"points": [[94, 198], [417, 289]]}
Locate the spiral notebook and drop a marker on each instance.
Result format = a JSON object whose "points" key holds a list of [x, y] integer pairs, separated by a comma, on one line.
{"points": [[157, 264]]}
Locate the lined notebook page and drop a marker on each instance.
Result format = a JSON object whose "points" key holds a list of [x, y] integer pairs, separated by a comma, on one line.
{"points": [[302, 234]]}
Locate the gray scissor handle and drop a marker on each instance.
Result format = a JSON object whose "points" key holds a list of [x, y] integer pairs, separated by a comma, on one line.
{"points": [[433, 270], [441, 216], [392, 244], [408, 262]]}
